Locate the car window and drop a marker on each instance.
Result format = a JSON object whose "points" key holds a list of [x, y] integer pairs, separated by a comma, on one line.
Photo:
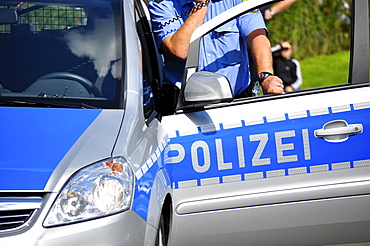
{"points": [[321, 49], [310, 44], [61, 52], [319, 33]]}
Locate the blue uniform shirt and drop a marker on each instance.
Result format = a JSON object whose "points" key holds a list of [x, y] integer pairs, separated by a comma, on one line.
{"points": [[223, 51]]}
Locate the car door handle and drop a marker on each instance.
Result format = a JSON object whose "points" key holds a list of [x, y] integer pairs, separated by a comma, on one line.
{"points": [[350, 130], [338, 131]]}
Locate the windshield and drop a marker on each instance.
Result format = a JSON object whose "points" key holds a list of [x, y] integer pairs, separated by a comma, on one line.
{"points": [[61, 52]]}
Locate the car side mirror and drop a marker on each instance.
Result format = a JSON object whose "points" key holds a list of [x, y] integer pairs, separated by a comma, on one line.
{"points": [[8, 16], [203, 88]]}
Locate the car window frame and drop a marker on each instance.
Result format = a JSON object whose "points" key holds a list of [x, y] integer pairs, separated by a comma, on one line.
{"points": [[150, 59]]}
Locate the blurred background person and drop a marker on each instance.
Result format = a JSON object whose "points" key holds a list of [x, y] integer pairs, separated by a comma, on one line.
{"points": [[286, 67], [269, 11]]}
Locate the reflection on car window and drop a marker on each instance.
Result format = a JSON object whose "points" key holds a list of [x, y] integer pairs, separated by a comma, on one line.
{"points": [[61, 51]]}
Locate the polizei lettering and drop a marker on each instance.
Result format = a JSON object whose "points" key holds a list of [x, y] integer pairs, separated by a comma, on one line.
{"points": [[241, 151]]}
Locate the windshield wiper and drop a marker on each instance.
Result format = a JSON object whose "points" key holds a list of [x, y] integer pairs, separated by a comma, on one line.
{"points": [[30, 103]]}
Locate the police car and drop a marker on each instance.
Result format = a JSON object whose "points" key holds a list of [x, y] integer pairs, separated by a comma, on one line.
{"points": [[86, 157]]}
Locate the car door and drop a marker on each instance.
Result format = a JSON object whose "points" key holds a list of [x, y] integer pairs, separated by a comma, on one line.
{"points": [[277, 169]]}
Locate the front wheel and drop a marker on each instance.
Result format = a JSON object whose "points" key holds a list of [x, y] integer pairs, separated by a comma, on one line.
{"points": [[162, 235]]}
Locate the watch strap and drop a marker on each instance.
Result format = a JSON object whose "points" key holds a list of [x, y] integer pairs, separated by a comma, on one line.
{"points": [[263, 75], [199, 5]]}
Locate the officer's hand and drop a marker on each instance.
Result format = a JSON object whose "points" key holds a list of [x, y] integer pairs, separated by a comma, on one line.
{"points": [[272, 85]]}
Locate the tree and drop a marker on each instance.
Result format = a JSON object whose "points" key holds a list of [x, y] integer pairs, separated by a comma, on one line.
{"points": [[317, 27]]}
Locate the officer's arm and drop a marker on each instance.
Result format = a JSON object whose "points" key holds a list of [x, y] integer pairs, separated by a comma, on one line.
{"points": [[261, 49], [178, 44]]}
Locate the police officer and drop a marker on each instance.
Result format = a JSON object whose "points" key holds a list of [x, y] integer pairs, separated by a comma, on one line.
{"points": [[223, 51]]}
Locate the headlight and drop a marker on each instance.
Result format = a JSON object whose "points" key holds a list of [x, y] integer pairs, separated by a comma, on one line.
{"points": [[98, 190]]}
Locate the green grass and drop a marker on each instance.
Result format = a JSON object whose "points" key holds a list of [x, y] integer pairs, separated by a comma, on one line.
{"points": [[325, 70]]}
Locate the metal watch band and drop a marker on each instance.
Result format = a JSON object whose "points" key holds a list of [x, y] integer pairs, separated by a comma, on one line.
{"points": [[202, 4]]}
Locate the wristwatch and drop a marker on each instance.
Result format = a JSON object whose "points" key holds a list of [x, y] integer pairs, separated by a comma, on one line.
{"points": [[263, 75], [202, 4]]}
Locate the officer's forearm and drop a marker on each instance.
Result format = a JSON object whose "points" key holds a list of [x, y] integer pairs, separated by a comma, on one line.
{"points": [[261, 49]]}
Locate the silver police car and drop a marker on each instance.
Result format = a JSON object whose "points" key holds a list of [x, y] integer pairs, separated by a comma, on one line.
{"points": [[88, 157]]}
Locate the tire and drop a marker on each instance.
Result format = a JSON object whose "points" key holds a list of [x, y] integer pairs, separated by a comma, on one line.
{"points": [[162, 235]]}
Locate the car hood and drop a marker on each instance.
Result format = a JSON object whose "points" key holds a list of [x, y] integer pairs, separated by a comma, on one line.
{"points": [[35, 140]]}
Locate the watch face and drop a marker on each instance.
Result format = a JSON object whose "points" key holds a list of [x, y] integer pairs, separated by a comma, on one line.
{"points": [[262, 76]]}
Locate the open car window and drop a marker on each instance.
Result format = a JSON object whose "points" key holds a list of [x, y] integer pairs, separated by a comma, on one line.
{"points": [[331, 53], [319, 33]]}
